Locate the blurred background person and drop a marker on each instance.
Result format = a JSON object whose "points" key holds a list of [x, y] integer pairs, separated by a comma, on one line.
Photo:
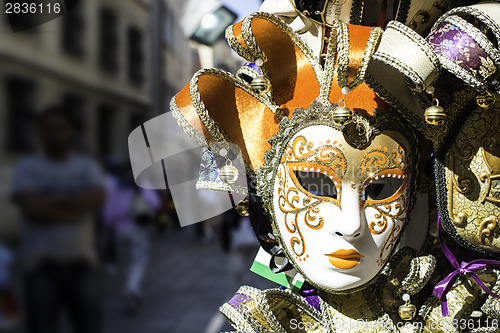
{"points": [[239, 242], [9, 312], [58, 192], [129, 216]]}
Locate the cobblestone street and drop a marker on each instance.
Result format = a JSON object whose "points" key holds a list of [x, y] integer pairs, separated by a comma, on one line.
{"points": [[185, 284]]}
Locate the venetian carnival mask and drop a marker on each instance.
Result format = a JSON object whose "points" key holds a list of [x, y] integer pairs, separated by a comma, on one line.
{"points": [[337, 193], [338, 208], [324, 121]]}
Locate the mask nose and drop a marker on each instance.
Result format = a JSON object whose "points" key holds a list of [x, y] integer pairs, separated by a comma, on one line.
{"points": [[351, 222]]}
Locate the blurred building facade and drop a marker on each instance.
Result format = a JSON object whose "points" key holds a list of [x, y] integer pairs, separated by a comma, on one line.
{"points": [[108, 62], [93, 60]]}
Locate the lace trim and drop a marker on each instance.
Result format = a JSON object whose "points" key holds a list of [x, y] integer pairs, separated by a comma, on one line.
{"points": [[403, 10], [442, 203], [185, 125]]}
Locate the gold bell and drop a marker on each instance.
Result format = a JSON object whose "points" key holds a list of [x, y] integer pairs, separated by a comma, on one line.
{"points": [[407, 311], [435, 115], [229, 174], [342, 115], [486, 101], [261, 85]]}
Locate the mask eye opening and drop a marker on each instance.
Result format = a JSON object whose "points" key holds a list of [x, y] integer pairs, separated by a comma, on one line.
{"points": [[384, 187], [316, 180], [317, 184]]}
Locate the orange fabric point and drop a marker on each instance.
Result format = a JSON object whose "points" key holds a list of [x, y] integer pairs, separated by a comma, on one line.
{"points": [[247, 121], [185, 105], [362, 99], [292, 76], [238, 35]]}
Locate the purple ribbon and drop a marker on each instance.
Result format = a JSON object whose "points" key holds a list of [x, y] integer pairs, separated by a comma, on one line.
{"points": [[443, 287]]}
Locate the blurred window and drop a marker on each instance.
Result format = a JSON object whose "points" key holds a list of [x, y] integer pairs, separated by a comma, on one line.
{"points": [[170, 90], [169, 27], [21, 94], [75, 104], [24, 20], [135, 55], [108, 40], [73, 32], [105, 115]]}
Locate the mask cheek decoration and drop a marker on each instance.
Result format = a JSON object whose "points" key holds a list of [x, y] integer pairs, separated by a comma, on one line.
{"points": [[307, 180], [385, 195], [385, 198], [292, 202]]}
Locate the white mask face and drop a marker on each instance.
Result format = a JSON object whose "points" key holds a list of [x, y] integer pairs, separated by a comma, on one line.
{"points": [[338, 210]]}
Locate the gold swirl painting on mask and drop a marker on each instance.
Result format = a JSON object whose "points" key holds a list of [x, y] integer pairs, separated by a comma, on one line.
{"points": [[389, 165], [378, 159], [376, 165], [294, 200]]}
